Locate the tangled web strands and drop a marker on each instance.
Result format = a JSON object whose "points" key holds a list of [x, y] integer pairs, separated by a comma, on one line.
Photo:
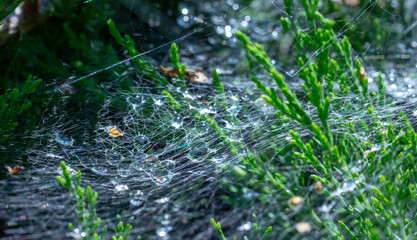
{"points": [[166, 168], [165, 164]]}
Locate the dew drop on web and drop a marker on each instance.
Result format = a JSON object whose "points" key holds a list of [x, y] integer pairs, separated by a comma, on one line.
{"points": [[136, 101], [98, 169], [159, 101], [177, 122], [123, 168], [113, 157], [140, 142], [64, 140], [137, 198], [121, 188], [162, 232]]}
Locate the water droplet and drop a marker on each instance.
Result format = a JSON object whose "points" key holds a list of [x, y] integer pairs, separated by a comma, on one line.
{"points": [[231, 125], [257, 123], [164, 179], [158, 102], [274, 34], [263, 105], [186, 94], [121, 187], [206, 110], [234, 110], [197, 154], [242, 153], [137, 198], [99, 169], [235, 136], [123, 168], [184, 11], [185, 21], [136, 101], [168, 164], [220, 30], [113, 157], [250, 195], [166, 219], [51, 155], [327, 207], [177, 122], [202, 128], [162, 200], [140, 142], [65, 141], [115, 180], [162, 232], [346, 187], [219, 158], [150, 166], [245, 227], [139, 162]]}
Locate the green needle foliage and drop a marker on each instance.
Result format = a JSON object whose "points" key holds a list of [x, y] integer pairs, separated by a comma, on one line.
{"points": [[218, 229], [374, 203], [13, 104], [216, 82], [7, 7], [85, 200], [144, 67], [250, 162], [179, 69], [385, 210]]}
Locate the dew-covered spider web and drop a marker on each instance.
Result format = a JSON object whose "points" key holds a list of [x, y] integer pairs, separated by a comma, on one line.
{"points": [[169, 168]]}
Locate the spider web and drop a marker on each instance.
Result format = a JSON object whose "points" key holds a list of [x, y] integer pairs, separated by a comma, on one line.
{"points": [[169, 169]]}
